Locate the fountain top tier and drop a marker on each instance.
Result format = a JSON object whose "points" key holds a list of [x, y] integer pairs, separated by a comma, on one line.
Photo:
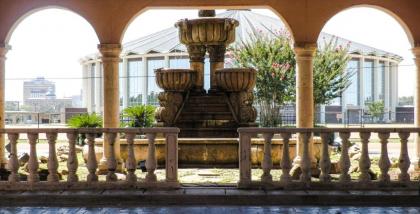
{"points": [[207, 31]]}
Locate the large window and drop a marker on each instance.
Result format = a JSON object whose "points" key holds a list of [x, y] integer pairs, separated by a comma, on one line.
{"points": [[179, 62], [135, 81], [381, 81], [352, 92], [368, 70], [152, 88]]}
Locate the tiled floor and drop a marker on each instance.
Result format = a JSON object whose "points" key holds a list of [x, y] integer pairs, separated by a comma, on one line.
{"points": [[213, 209]]}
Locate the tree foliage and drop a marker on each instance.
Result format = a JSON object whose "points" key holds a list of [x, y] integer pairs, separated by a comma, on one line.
{"points": [[274, 59]]}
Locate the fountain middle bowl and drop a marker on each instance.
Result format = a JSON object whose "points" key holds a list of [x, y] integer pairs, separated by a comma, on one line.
{"points": [[176, 80], [236, 79]]}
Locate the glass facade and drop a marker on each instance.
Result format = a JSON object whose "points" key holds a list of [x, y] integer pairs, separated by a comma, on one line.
{"points": [[380, 84], [135, 81], [352, 92], [152, 88], [368, 70]]}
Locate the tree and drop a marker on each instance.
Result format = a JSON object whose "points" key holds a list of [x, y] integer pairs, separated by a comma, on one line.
{"points": [[376, 109], [330, 76], [274, 59]]}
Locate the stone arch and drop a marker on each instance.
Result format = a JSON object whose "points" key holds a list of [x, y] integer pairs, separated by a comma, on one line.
{"points": [[144, 9], [21, 17], [394, 15]]}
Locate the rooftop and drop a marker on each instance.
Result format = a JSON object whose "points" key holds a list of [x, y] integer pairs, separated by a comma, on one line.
{"points": [[166, 41]]}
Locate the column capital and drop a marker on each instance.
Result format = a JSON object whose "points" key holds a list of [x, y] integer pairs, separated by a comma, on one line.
{"points": [[416, 52], [110, 51], [305, 50], [4, 48]]}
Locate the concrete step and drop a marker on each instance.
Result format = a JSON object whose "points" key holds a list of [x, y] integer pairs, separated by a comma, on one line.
{"points": [[206, 116]]}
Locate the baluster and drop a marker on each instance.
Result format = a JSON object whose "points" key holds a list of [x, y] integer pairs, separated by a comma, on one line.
{"points": [[33, 159], [285, 164], [384, 162], [325, 162], [172, 157], [344, 158], [364, 162], [305, 163], [111, 161], [151, 161], [244, 159], [92, 164], [267, 163], [72, 162], [404, 160], [131, 160], [52, 158], [13, 160]]}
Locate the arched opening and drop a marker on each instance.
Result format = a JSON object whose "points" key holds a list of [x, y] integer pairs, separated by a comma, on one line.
{"points": [[381, 63], [151, 41], [43, 70]]}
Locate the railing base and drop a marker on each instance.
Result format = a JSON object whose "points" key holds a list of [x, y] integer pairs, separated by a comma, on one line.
{"points": [[207, 196]]}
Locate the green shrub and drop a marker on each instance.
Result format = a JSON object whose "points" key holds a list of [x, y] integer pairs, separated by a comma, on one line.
{"points": [[85, 121], [139, 116]]}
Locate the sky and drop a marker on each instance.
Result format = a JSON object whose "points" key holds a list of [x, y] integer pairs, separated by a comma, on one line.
{"points": [[51, 42]]}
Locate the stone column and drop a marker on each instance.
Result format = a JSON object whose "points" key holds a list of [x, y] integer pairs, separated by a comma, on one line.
{"points": [[387, 90], [304, 95], [375, 80], [98, 80], [197, 53], [144, 79], [3, 52], [84, 84], [166, 59], [394, 94], [416, 161], [110, 60], [361, 82], [124, 86], [217, 61]]}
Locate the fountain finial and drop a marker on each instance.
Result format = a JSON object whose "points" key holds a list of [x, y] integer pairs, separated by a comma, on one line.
{"points": [[206, 13]]}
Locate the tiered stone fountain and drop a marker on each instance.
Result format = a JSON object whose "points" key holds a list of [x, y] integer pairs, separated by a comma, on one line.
{"points": [[228, 103]]}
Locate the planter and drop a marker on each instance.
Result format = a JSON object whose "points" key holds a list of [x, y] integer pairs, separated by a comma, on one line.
{"points": [[175, 80], [236, 79], [209, 31]]}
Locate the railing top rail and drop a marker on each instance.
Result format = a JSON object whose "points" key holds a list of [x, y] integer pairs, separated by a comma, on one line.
{"points": [[92, 130], [325, 130]]}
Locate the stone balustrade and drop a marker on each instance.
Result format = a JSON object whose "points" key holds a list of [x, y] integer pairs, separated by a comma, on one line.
{"points": [[306, 180], [92, 181], [323, 180]]}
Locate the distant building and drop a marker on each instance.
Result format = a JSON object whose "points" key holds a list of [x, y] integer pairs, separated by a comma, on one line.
{"points": [[39, 88]]}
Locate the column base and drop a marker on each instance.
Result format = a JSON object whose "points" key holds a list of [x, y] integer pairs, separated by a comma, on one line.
{"points": [[103, 167], [296, 170]]}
